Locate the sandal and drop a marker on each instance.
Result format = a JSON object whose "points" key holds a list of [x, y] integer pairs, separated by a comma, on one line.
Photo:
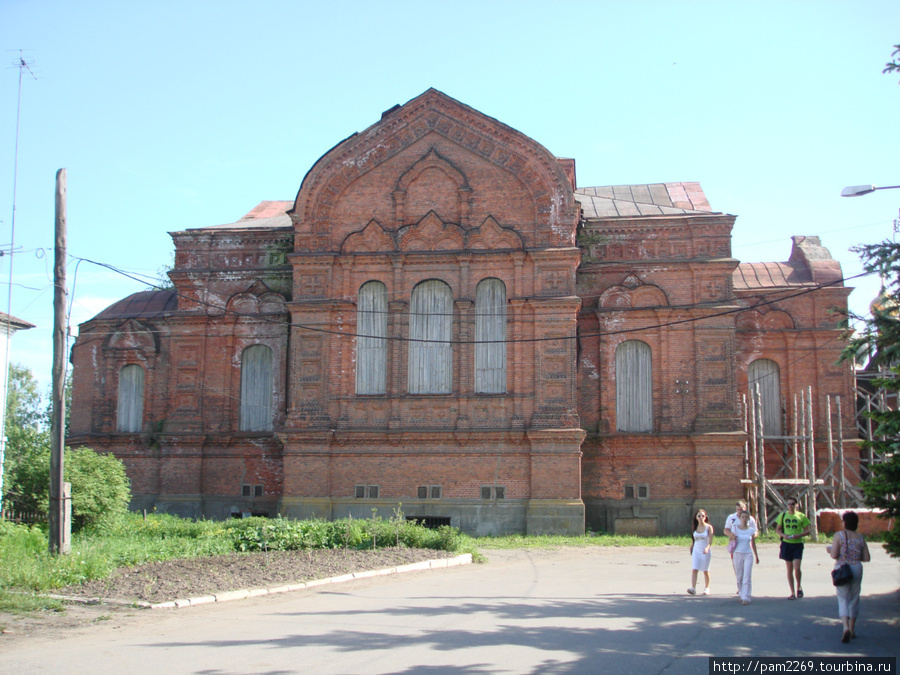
{"points": [[799, 592]]}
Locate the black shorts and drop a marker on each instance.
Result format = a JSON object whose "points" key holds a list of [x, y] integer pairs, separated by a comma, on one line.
{"points": [[791, 551]]}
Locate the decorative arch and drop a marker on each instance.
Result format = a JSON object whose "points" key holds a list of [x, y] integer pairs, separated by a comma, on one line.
{"points": [[432, 234], [432, 184], [777, 320], [257, 299], [490, 235], [134, 336], [633, 293], [373, 238]]}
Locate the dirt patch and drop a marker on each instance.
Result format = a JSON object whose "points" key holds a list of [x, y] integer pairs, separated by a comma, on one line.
{"points": [[195, 577]]}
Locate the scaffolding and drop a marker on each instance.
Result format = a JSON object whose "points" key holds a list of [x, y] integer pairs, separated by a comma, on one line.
{"points": [[799, 473]]}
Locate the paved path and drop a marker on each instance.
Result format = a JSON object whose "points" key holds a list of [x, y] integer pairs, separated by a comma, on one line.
{"points": [[570, 611]]}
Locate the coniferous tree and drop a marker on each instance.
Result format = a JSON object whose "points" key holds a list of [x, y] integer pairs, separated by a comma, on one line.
{"points": [[880, 340]]}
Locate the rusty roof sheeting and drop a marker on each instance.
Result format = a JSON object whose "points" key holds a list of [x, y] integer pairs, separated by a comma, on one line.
{"points": [[143, 305]]}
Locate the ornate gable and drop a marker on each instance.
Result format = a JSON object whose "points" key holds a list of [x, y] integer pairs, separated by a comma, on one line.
{"points": [[435, 154]]}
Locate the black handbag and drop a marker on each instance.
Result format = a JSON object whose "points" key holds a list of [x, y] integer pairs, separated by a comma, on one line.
{"points": [[841, 575]]}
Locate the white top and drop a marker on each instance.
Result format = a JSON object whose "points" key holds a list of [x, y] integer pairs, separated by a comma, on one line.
{"points": [[744, 537]]}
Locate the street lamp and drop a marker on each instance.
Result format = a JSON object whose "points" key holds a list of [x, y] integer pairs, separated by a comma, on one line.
{"points": [[860, 190]]}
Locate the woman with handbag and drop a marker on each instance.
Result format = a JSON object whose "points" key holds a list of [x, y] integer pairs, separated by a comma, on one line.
{"points": [[848, 548], [743, 537]]}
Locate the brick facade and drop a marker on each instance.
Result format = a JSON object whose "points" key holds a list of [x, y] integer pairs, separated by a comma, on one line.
{"points": [[438, 192]]}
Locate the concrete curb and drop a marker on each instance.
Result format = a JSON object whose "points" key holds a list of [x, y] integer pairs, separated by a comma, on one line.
{"points": [[243, 594]]}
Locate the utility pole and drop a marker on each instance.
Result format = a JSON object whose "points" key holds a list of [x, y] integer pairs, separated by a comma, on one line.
{"points": [[60, 497]]}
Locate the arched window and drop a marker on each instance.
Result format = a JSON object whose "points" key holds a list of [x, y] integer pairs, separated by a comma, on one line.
{"points": [[371, 343], [130, 412], [490, 337], [634, 387], [257, 387], [767, 374], [430, 332]]}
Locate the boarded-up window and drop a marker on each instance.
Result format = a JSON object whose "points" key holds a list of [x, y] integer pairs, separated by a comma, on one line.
{"points": [[371, 343], [767, 375], [257, 387], [130, 413], [430, 332], [634, 387], [490, 337]]}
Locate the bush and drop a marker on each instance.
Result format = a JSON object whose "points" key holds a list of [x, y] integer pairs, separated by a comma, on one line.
{"points": [[279, 534], [100, 489]]}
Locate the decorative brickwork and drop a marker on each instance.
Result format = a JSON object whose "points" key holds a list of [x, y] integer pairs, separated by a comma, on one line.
{"points": [[423, 206]]}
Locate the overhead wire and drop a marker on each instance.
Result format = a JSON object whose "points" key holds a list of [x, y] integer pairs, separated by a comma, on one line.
{"points": [[782, 296]]}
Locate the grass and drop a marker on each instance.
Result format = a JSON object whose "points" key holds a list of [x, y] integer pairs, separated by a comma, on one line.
{"points": [[28, 570]]}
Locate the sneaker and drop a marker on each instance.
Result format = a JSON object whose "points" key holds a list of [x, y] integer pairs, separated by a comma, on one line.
{"points": [[692, 591], [706, 591], [799, 593]]}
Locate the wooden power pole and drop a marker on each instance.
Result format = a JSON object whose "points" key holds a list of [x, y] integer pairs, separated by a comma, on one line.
{"points": [[60, 498]]}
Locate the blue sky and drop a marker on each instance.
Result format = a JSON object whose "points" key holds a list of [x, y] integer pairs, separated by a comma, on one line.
{"points": [[170, 115]]}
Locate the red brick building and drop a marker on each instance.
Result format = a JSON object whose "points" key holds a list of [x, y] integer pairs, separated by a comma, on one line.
{"points": [[442, 319]]}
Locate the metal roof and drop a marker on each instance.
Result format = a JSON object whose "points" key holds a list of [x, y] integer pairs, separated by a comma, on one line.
{"points": [[143, 304], [654, 199]]}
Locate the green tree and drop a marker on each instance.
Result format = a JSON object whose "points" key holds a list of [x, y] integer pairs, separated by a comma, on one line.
{"points": [[893, 66], [26, 466], [880, 339]]}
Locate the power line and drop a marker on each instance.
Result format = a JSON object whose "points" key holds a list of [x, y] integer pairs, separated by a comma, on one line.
{"points": [[782, 296]]}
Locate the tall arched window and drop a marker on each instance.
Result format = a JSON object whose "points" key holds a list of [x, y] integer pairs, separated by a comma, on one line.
{"points": [[490, 337], [634, 387], [371, 343], [430, 332], [767, 375], [257, 387], [130, 411]]}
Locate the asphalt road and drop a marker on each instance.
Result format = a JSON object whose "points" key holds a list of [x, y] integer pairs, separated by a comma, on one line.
{"points": [[570, 611]]}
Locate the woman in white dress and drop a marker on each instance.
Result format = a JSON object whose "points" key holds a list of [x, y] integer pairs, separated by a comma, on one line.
{"points": [[744, 536], [701, 548]]}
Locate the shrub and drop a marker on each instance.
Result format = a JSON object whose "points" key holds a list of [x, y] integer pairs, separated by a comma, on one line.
{"points": [[100, 489]]}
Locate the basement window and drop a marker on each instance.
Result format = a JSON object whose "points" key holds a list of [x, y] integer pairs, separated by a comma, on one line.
{"points": [[493, 492], [428, 492], [366, 492], [637, 491], [252, 490]]}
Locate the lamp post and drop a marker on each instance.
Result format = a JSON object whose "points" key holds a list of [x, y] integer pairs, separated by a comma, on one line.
{"points": [[860, 190]]}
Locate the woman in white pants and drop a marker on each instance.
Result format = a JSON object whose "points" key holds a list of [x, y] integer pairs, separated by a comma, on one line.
{"points": [[744, 535], [849, 546]]}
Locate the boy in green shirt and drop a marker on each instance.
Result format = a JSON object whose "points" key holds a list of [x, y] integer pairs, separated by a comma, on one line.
{"points": [[792, 526]]}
